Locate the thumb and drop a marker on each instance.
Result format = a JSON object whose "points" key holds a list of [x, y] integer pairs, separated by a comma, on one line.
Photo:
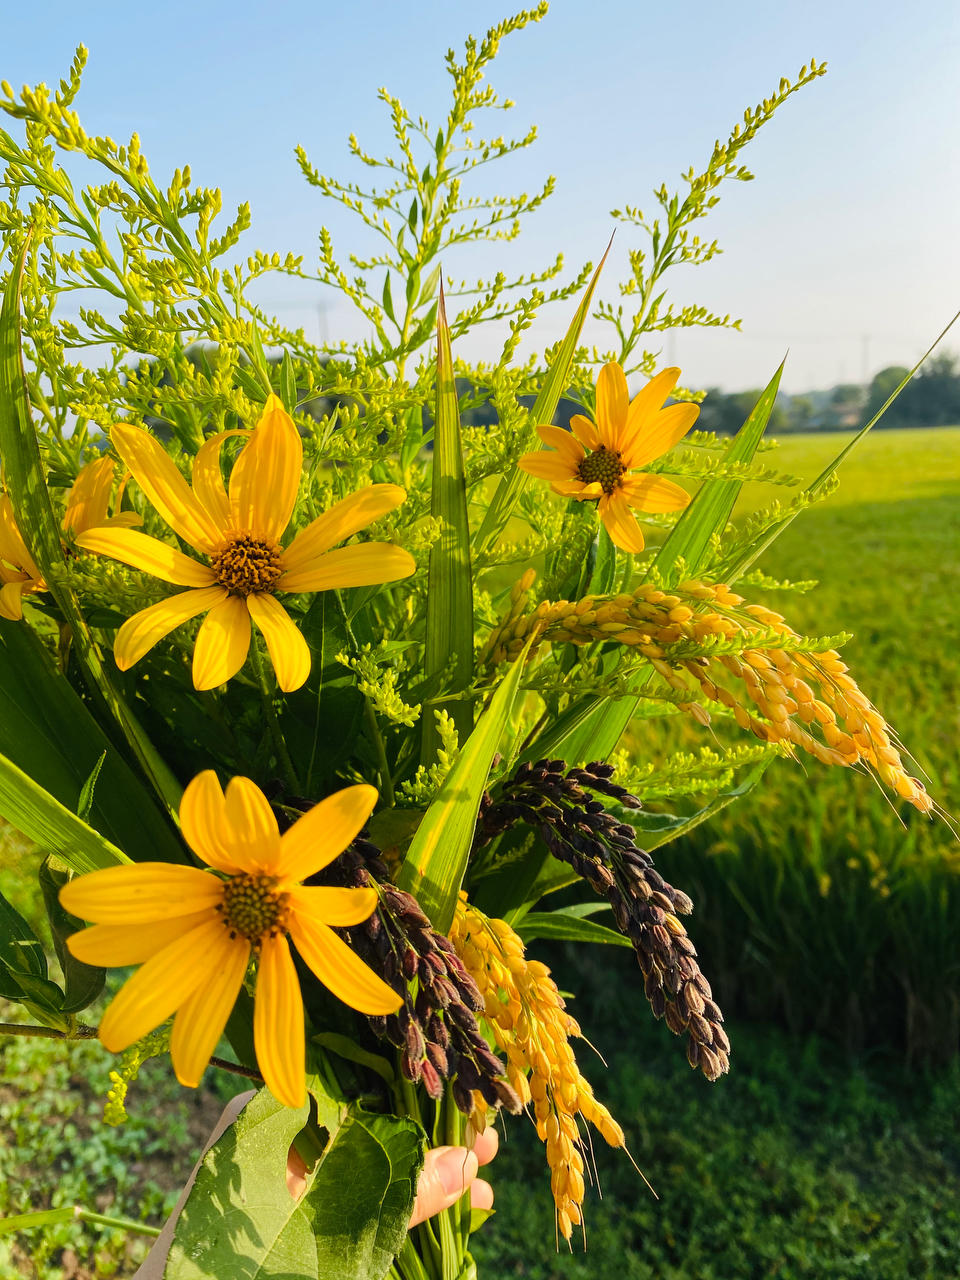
{"points": [[447, 1174]]}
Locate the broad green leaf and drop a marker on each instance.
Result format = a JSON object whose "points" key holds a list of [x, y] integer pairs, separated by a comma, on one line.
{"points": [[448, 653], [48, 731], [437, 858], [563, 927], [240, 1221], [82, 982], [26, 483], [345, 1048], [708, 513], [555, 383], [49, 824]]}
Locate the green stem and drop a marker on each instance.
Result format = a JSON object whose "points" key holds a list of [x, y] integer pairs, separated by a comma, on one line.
{"points": [[72, 1213], [284, 761], [383, 764], [47, 1033], [370, 716]]}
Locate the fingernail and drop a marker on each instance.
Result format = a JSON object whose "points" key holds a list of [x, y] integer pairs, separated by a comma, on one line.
{"points": [[457, 1168]]}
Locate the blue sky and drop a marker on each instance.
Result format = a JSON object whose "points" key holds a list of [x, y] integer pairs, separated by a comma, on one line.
{"points": [[844, 250]]}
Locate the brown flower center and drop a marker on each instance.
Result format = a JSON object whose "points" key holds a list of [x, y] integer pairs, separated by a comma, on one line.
{"points": [[252, 906], [247, 564], [603, 467]]}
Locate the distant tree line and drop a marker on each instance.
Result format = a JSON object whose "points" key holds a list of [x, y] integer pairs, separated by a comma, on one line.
{"points": [[931, 399]]}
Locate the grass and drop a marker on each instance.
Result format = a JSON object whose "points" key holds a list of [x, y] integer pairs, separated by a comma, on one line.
{"points": [[800, 1163], [818, 903]]}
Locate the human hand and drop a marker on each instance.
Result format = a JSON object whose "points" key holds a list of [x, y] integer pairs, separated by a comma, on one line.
{"points": [[448, 1172]]}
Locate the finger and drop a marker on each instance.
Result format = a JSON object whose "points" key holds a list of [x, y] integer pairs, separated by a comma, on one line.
{"points": [[447, 1173], [481, 1194], [296, 1173], [486, 1145]]}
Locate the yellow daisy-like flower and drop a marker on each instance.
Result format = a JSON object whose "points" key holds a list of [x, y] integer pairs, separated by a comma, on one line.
{"points": [[19, 574], [193, 932], [595, 461], [239, 532]]}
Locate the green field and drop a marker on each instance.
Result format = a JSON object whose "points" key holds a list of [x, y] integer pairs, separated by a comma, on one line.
{"points": [[817, 909]]}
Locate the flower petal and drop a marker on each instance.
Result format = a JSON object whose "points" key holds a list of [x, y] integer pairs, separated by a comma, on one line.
{"points": [[207, 478], [649, 401], [278, 1023], [577, 489], [289, 652], [266, 477], [567, 445], [149, 554], [202, 1017], [159, 987], [140, 893], [141, 632], [324, 832], [113, 945], [342, 521], [13, 549], [654, 437], [547, 465], [222, 643], [340, 969], [11, 601], [158, 477], [585, 431], [620, 523], [251, 834], [612, 404], [203, 820], [654, 494], [89, 496], [362, 564], [328, 905]]}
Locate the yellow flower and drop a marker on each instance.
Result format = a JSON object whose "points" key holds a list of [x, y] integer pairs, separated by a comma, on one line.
{"points": [[193, 932], [87, 505], [19, 574], [595, 461], [239, 532]]}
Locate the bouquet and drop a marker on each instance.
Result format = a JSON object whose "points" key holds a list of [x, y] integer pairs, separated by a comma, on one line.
{"points": [[317, 662]]}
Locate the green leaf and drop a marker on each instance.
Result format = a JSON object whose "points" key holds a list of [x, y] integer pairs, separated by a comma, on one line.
{"points": [[718, 802], [85, 803], [555, 383], [429, 286], [48, 823], [437, 858], [564, 927], [288, 383], [708, 513], [20, 948], [345, 1048], [388, 297], [26, 483], [448, 651], [240, 1221], [82, 982], [48, 731]]}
